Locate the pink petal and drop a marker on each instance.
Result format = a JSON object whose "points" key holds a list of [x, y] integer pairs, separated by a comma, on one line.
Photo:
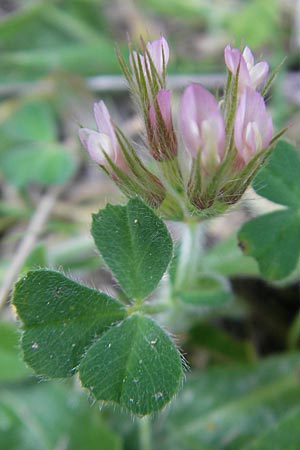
{"points": [[259, 73], [84, 134], [234, 60], [253, 127], [251, 139], [239, 123], [159, 52], [250, 74], [188, 121], [248, 57], [95, 143], [164, 103], [104, 123], [197, 106]]}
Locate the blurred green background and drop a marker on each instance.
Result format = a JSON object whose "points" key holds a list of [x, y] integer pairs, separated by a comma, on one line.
{"points": [[57, 58]]}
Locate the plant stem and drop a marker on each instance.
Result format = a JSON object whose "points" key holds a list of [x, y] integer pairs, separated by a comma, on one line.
{"points": [[191, 252], [144, 425]]}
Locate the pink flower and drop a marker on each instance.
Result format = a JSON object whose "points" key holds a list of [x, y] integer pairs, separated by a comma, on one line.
{"points": [[202, 125], [158, 52], [250, 74], [161, 133], [253, 126], [103, 140]]}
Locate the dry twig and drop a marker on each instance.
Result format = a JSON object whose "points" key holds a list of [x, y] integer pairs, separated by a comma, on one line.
{"points": [[31, 235]]}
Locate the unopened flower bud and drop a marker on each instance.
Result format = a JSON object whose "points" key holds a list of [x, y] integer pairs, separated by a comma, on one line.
{"points": [[253, 126]]}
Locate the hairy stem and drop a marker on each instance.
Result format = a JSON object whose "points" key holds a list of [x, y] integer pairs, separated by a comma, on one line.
{"points": [[190, 254], [144, 425]]}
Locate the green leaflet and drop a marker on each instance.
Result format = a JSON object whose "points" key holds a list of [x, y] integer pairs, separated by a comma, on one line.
{"points": [[227, 259], [284, 435], [207, 289], [61, 318], [135, 244], [32, 154], [31, 121], [40, 162], [134, 364], [279, 180], [274, 239]]}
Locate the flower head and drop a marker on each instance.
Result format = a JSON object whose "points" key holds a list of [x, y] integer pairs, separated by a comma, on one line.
{"points": [[250, 74], [202, 125], [227, 140], [253, 126]]}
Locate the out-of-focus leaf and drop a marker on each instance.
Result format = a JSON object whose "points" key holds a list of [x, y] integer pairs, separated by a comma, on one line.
{"points": [[45, 163], [76, 58], [227, 259], [207, 289], [227, 409], [274, 241], [284, 435], [52, 416], [263, 14], [11, 365], [220, 344], [11, 23], [190, 9], [33, 121], [279, 180]]}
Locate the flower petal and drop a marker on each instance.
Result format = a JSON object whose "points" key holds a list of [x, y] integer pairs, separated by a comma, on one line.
{"points": [[164, 103], [104, 123], [258, 73], [197, 106], [159, 52], [253, 127]]}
